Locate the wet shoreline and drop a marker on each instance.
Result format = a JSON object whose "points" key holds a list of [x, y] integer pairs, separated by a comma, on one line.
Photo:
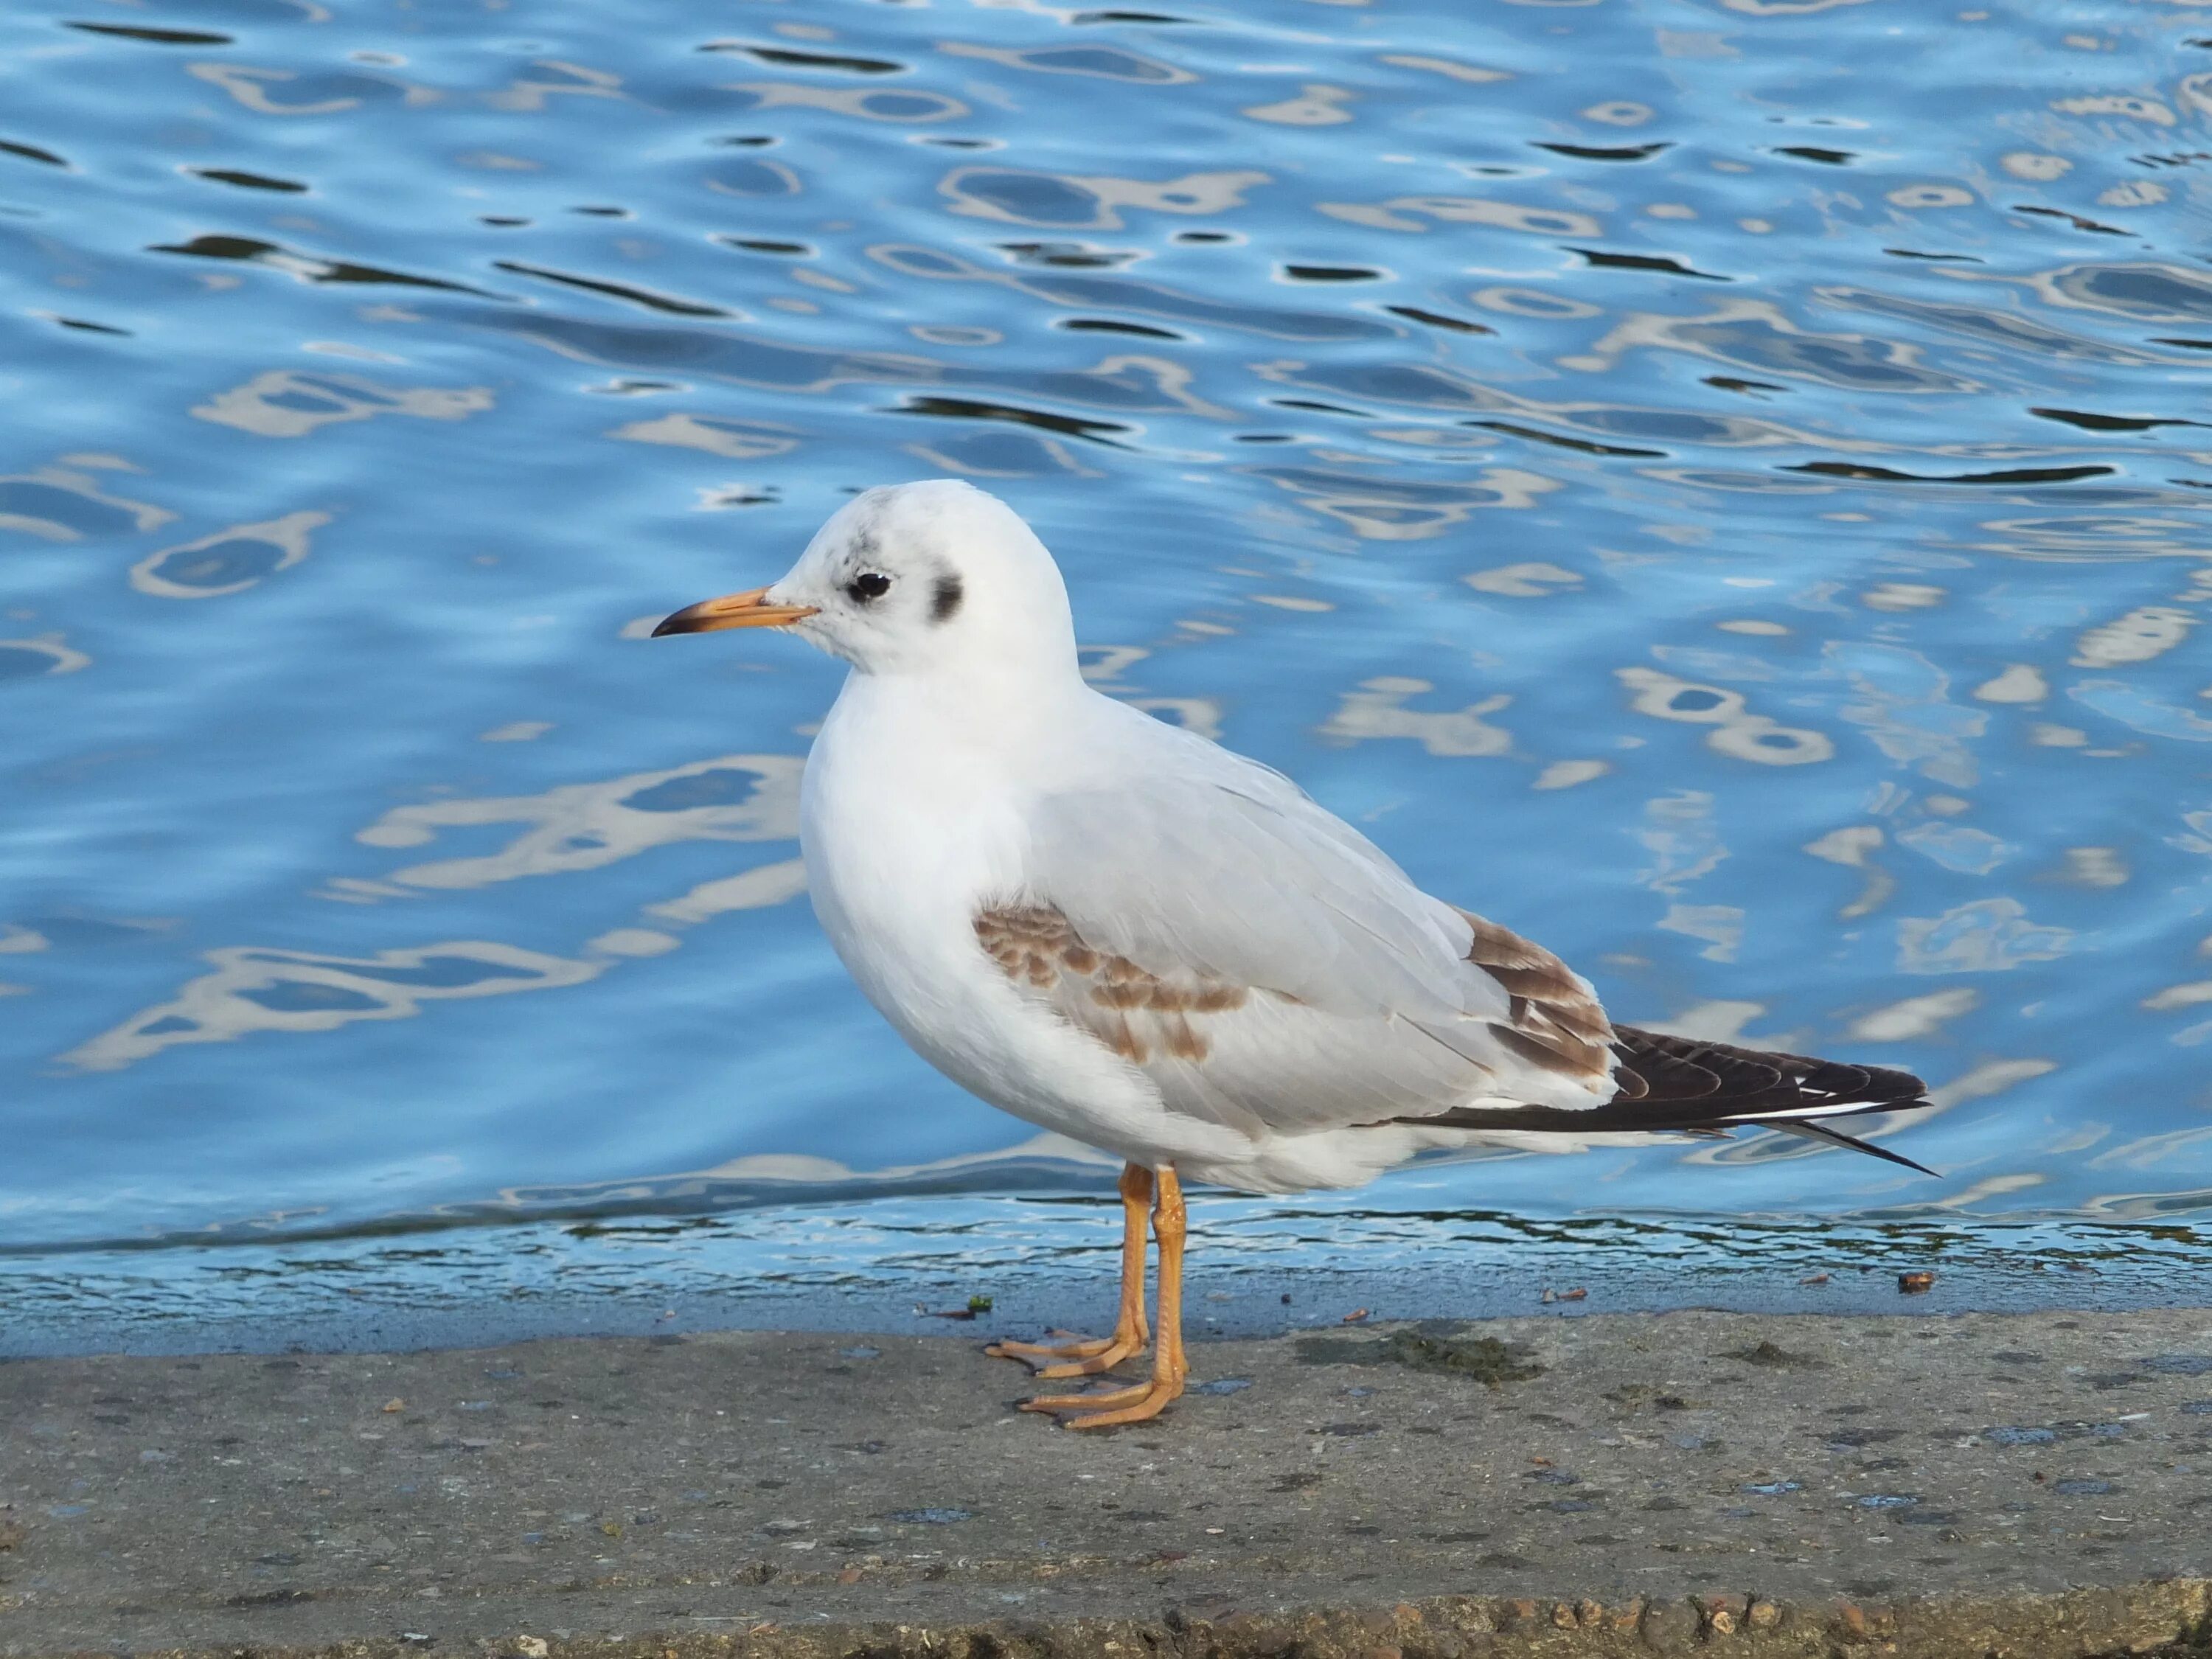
{"points": [[1259, 1268]]}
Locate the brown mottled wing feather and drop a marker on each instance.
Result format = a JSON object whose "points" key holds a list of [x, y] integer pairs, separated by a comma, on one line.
{"points": [[1135, 1013], [1252, 1053], [1551, 1020], [1554, 1019]]}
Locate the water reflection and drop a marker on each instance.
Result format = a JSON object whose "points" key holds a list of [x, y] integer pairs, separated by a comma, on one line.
{"points": [[287, 404], [228, 560], [585, 826], [1724, 494], [67, 503], [565, 831], [263, 990], [47, 653]]}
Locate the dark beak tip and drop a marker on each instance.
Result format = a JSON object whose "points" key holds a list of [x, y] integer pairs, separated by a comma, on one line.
{"points": [[666, 625]]}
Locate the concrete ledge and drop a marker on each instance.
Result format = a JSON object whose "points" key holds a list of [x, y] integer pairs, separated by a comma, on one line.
{"points": [[1954, 1487]]}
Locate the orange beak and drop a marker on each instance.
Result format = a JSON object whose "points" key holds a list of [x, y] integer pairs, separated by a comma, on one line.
{"points": [[748, 609]]}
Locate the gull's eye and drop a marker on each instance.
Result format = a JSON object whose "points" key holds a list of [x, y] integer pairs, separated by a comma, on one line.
{"points": [[869, 585]]}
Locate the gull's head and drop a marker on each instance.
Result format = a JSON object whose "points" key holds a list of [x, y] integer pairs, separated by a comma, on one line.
{"points": [[916, 578]]}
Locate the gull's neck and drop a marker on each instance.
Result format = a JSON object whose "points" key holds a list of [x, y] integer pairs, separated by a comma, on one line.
{"points": [[992, 703]]}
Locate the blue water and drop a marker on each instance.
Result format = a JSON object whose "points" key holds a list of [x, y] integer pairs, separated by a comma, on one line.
{"points": [[1717, 486]]}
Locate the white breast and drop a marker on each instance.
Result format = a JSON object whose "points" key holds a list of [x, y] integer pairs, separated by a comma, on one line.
{"points": [[908, 829]]}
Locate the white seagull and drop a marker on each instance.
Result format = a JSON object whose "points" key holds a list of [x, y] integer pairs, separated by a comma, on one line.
{"points": [[1113, 929]]}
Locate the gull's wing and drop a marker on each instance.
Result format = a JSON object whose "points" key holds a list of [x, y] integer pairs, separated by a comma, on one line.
{"points": [[1269, 967]]}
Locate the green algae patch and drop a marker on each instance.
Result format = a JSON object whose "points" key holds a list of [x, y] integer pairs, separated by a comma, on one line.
{"points": [[1768, 1357], [1484, 1358]]}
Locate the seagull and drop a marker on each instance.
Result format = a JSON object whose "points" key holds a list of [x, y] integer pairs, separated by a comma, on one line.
{"points": [[1118, 930]]}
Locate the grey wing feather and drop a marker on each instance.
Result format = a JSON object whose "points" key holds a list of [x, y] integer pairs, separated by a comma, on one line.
{"points": [[1214, 865], [1269, 968]]}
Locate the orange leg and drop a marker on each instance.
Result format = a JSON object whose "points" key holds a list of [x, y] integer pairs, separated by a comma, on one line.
{"points": [[1094, 1354], [1169, 1367]]}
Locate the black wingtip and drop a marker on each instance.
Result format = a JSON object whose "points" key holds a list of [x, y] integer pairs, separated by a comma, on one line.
{"points": [[1835, 1138]]}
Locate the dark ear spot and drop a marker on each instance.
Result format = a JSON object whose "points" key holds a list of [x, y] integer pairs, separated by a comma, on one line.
{"points": [[945, 602]]}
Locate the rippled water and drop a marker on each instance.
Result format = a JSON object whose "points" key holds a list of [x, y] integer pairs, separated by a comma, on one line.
{"points": [[1716, 485]]}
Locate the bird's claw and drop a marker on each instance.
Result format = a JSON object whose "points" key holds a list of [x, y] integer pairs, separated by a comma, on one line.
{"points": [[1105, 1411], [1084, 1357], [1031, 1352]]}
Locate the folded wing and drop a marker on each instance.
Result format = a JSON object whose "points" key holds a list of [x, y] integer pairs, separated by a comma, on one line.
{"points": [[1269, 968]]}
